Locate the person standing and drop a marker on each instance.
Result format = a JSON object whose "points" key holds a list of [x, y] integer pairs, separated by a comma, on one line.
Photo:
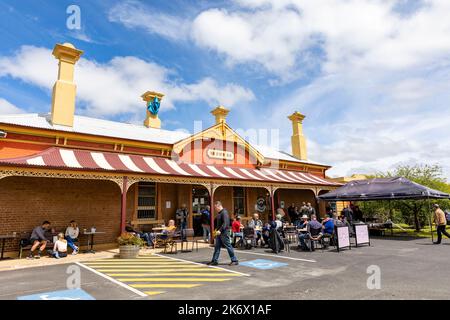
{"points": [[311, 209], [206, 223], [291, 212], [348, 214], [441, 222], [222, 236]]}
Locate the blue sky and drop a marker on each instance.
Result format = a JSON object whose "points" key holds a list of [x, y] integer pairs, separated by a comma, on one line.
{"points": [[372, 76]]}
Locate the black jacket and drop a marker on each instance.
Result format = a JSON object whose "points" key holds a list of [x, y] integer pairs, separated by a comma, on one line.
{"points": [[223, 221]]}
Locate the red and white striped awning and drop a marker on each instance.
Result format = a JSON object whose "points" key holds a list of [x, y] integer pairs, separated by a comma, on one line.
{"points": [[90, 160]]}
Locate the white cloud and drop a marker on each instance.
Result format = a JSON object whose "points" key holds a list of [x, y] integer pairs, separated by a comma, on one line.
{"points": [[133, 14], [115, 87], [357, 34], [7, 107]]}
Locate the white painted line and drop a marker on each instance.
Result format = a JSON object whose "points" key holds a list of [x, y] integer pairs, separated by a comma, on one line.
{"points": [[203, 265], [140, 293], [272, 256]]}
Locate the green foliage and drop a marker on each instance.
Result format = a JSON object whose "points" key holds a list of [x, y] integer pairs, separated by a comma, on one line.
{"points": [[411, 212], [129, 239]]}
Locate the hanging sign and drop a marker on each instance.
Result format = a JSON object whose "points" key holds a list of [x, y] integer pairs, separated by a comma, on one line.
{"points": [[343, 237], [362, 234]]}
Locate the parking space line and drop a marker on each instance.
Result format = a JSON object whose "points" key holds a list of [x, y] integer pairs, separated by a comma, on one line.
{"points": [[173, 279], [201, 264], [166, 285], [184, 274], [274, 256], [140, 293]]}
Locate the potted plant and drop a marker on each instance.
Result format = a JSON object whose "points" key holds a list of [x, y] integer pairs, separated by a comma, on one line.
{"points": [[129, 245]]}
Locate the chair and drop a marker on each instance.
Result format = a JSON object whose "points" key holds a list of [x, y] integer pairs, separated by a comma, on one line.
{"points": [[249, 234], [240, 241], [189, 233], [315, 236]]}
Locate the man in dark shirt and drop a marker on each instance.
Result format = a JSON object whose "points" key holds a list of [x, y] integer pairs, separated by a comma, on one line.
{"points": [[222, 235], [206, 222], [38, 238], [292, 213]]}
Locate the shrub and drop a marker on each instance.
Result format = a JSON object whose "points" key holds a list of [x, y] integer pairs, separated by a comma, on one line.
{"points": [[129, 239]]}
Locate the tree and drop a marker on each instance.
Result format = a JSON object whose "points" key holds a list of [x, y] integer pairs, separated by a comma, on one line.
{"points": [[424, 174]]}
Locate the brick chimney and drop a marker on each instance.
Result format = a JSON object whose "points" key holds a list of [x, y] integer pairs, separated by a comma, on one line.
{"points": [[298, 140], [64, 90]]}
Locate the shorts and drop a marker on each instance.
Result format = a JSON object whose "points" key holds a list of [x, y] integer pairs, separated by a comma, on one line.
{"points": [[33, 240]]}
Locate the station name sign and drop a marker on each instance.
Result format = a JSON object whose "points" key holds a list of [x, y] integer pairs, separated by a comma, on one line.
{"points": [[220, 154]]}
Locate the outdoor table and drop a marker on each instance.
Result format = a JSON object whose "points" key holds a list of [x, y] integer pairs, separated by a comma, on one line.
{"points": [[4, 238], [90, 243]]}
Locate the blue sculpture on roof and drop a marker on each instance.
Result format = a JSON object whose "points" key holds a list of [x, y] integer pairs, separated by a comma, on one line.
{"points": [[153, 106]]}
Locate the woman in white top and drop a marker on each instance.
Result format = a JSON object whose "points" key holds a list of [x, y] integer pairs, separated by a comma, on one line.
{"points": [[60, 247], [72, 233]]}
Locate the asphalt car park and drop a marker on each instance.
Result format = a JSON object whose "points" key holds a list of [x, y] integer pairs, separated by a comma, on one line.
{"points": [[405, 269]]}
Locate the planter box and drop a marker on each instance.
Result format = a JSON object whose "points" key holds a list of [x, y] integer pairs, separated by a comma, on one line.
{"points": [[129, 252]]}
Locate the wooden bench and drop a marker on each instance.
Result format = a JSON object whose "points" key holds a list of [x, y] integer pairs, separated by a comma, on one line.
{"points": [[24, 242]]}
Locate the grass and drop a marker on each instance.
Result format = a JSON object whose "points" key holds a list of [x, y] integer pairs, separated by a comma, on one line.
{"points": [[410, 231]]}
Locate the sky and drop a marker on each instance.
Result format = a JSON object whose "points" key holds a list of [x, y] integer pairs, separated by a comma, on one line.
{"points": [[371, 76]]}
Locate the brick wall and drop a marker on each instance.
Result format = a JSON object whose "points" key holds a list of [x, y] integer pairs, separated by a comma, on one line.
{"points": [[26, 202]]}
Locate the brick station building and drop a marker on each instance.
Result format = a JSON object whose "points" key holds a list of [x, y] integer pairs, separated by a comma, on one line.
{"points": [[60, 166]]}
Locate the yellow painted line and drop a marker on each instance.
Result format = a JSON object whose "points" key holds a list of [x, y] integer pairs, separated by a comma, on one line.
{"points": [[173, 274], [146, 267], [153, 293], [139, 263], [171, 279], [142, 265], [146, 270], [166, 285]]}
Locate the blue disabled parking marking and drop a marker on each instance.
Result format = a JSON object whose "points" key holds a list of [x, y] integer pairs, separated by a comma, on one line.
{"points": [[71, 294], [263, 264]]}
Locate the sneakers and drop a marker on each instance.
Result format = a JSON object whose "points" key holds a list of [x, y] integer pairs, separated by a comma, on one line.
{"points": [[75, 252], [213, 263], [233, 263]]}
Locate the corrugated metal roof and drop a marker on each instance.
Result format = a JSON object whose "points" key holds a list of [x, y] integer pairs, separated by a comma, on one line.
{"points": [[114, 129], [99, 127]]}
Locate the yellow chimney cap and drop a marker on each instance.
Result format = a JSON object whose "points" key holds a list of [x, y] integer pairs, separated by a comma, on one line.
{"points": [[296, 116], [67, 52], [220, 110], [149, 95]]}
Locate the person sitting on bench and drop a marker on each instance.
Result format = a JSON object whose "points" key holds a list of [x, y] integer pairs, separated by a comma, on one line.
{"points": [[60, 247], [38, 239], [72, 233]]}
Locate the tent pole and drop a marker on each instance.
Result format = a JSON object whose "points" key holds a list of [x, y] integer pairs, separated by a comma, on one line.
{"points": [[390, 218], [431, 223]]}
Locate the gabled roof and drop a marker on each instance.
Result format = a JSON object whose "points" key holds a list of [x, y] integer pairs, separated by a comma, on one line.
{"points": [[114, 129]]}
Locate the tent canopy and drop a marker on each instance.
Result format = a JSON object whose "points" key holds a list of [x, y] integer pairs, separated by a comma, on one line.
{"points": [[383, 189]]}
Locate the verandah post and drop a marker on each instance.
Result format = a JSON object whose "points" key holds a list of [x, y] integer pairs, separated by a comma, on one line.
{"points": [[123, 210], [211, 216]]}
